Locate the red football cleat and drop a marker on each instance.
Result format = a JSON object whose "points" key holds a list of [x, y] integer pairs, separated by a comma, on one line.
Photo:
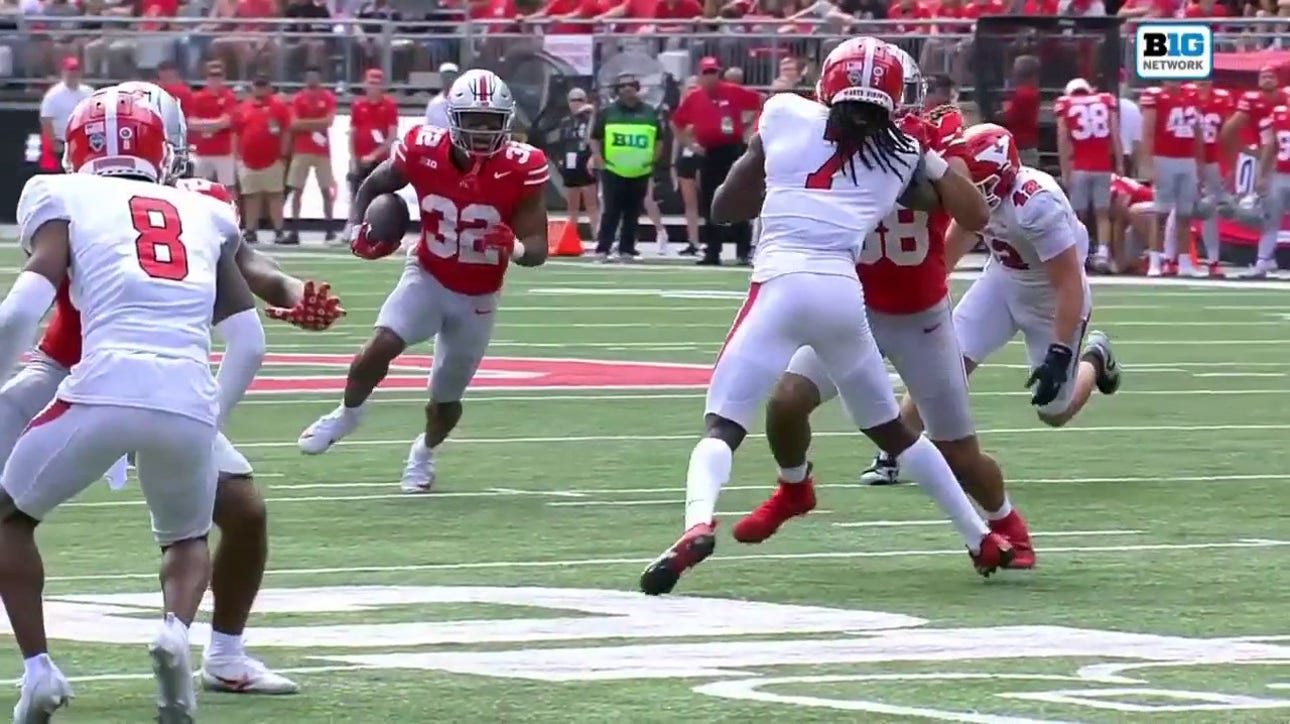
{"points": [[995, 553], [1014, 529], [1169, 268], [695, 545], [789, 501]]}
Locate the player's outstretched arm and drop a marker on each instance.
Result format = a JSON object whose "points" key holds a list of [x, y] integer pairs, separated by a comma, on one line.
{"points": [[33, 291], [384, 179], [305, 304], [740, 196], [530, 231], [237, 322]]}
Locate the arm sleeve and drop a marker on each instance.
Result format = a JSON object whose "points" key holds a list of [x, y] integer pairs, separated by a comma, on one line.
{"points": [[29, 298], [1043, 222], [39, 202], [243, 336], [536, 172]]}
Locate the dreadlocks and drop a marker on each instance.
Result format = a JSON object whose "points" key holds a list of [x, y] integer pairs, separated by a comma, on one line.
{"points": [[867, 131]]}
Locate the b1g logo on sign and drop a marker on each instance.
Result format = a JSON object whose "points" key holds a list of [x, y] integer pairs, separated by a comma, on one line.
{"points": [[1174, 51]]}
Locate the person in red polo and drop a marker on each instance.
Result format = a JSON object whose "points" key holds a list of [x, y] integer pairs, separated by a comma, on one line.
{"points": [[713, 119], [373, 129], [263, 124], [210, 128], [313, 109]]}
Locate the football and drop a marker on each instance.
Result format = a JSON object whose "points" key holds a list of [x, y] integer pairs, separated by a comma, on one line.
{"points": [[387, 219]]}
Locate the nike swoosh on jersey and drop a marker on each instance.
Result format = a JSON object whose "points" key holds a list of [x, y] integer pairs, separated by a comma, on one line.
{"points": [[502, 174]]}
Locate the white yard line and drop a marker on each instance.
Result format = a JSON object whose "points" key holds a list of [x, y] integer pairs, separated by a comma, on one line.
{"points": [[637, 559]]}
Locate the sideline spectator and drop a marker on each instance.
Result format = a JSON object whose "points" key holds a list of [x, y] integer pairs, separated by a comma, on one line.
{"points": [[625, 144], [713, 119], [168, 80], [247, 44], [304, 52], [43, 53], [1130, 128], [685, 175], [210, 128], [437, 108], [373, 129], [574, 154], [313, 111], [60, 100], [262, 123], [1021, 111]]}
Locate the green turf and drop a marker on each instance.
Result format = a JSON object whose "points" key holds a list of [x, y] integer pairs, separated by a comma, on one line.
{"points": [[1159, 517]]}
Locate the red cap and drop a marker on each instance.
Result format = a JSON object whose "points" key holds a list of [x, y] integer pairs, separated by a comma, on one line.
{"points": [[71, 63], [374, 75], [709, 64]]}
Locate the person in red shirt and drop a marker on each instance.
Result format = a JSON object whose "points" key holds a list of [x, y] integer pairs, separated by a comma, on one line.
{"points": [[263, 124], [1088, 142], [493, 14], [713, 120], [373, 129], [1272, 183], [1172, 154], [1214, 105], [1205, 9], [313, 110], [909, 10], [1021, 111], [1242, 129], [1131, 208], [210, 128], [561, 16], [169, 81], [981, 8]]}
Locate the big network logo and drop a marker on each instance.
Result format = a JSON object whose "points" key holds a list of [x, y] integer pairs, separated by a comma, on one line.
{"points": [[1174, 51]]}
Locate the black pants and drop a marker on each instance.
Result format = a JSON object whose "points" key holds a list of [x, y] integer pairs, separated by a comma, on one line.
{"points": [[717, 161], [623, 202]]}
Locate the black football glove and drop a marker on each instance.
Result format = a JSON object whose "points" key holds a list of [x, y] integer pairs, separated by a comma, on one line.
{"points": [[1047, 379]]}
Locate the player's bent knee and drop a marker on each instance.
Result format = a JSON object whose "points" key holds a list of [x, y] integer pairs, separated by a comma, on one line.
{"points": [[190, 540], [793, 396], [724, 429], [239, 504]]}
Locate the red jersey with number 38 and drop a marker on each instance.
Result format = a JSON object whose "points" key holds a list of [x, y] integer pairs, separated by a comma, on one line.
{"points": [[902, 264], [61, 341], [1177, 118], [1088, 119], [457, 207], [1275, 129]]}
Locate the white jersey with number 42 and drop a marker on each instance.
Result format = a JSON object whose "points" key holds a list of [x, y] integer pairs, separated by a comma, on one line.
{"points": [[143, 270], [815, 216], [1031, 226]]}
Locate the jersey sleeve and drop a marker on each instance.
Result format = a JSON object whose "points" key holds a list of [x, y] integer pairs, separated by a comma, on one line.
{"points": [[1043, 222], [1247, 102], [40, 201], [534, 171], [1148, 98], [405, 151], [1111, 101], [1059, 107], [776, 110]]}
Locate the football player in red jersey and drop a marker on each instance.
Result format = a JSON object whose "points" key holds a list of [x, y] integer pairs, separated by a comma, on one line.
{"points": [[1088, 143], [1272, 185], [904, 274], [1242, 129], [1172, 156], [240, 513], [1131, 209], [482, 208], [1214, 104]]}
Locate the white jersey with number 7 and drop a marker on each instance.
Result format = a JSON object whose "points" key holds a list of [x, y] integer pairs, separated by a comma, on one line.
{"points": [[143, 269]]}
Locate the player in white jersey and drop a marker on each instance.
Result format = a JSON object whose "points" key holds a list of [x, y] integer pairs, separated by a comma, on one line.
{"points": [[152, 269], [829, 172], [241, 515], [1034, 282]]}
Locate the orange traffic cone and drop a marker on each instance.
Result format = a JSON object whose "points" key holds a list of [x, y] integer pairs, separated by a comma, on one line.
{"points": [[554, 230], [570, 241]]}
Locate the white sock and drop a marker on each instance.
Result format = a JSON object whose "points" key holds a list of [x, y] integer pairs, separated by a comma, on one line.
{"points": [[794, 475], [420, 445], [1004, 510], [352, 412], [224, 645], [35, 666], [925, 465], [709, 470], [1268, 245], [1209, 235], [1103, 251], [1153, 259], [1171, 242]]}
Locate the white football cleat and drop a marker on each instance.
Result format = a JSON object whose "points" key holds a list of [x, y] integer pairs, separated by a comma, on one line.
{"points": [[42, 695], [418, 474], [662, 241], [172, 665], [244, 675], [883, 471], [329, 430]]}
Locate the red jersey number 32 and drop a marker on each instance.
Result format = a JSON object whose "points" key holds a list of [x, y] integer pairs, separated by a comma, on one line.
{"points": [[459, 231]]}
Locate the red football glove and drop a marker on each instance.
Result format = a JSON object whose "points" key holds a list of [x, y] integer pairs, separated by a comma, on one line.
{"points": [[366, 248], [500, 237], [316, 310]]}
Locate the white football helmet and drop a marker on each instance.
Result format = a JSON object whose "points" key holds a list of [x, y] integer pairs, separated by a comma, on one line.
{"points": [[915, 85], [172, 114], [480, 111], [1250, 210]]}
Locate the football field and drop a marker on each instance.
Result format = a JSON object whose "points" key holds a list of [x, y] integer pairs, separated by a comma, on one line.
{"points": [[509, 594]]}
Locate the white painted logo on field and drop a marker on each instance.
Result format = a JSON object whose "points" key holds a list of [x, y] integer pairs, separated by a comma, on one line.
{"points": [[614, 640]]}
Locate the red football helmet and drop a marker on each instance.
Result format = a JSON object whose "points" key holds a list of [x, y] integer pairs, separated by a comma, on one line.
{"points": [[862, 69], [112, 133], [216, 191], [990, 153]]}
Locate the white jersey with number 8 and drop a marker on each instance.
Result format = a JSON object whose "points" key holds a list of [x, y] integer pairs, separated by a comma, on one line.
{"points": [[143, 270], [815, 216]]}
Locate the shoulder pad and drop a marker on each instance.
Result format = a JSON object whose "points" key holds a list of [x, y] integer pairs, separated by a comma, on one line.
{"points": [[41, 200]]}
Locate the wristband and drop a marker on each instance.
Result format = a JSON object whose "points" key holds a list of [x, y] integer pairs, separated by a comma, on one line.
{"points": [[934, 165]]}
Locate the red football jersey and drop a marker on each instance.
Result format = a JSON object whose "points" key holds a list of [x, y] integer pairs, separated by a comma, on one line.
{"points": [[1257, 105], [458, 206], [902, 265], [1177, 118], [1131, 191], [1089, 118], [1275, 128], [1215, 107]]}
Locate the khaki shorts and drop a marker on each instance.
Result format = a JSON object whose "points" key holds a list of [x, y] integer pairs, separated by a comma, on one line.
{"points": [[260, 180], [219, 169], [303, 163]]}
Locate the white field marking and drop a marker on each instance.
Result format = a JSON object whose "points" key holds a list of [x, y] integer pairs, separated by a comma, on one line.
{"points": [[635, 559], [1238, 374], [585, 492], [1111, 324], [932, 523], [94, 678], [694, 436], [711, 344]]}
